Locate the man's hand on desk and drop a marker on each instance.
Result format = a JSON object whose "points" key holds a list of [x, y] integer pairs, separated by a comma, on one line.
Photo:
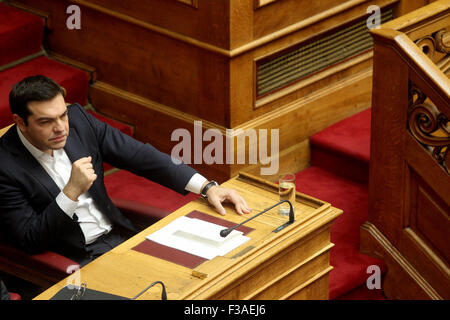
{"points": [[217, 194]]}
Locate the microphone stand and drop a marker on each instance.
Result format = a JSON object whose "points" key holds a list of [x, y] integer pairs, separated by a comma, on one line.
{"points": [[163, 294], [226, 232]]}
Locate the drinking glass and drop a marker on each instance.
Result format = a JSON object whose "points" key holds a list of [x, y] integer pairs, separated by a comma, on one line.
{"points": [[286, 190]]}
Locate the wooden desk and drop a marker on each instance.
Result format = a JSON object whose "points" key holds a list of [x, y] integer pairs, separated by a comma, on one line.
{"points": [[290, 264]]}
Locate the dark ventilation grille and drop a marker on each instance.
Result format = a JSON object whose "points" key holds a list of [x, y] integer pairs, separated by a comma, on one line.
{"points": [[280, 71]]}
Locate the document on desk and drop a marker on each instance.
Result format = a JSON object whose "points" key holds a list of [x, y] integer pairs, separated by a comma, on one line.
{"points": [[198, 237]]}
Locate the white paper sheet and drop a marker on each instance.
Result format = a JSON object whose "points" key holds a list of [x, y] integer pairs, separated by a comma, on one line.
{"points": [[197, 237]]}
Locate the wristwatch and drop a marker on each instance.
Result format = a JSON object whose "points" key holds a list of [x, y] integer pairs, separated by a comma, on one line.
{"points": [[206, 188]]}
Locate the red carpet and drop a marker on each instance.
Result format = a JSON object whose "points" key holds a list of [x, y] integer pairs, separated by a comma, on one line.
{"points": [[16, 29], [339, 174], [349, 265], [344, 147]]}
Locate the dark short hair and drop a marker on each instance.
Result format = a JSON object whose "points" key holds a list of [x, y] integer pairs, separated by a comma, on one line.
{"points": [[34, 88]]}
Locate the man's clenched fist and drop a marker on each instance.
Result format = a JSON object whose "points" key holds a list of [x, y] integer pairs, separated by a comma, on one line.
{"points": [[81, 178]]}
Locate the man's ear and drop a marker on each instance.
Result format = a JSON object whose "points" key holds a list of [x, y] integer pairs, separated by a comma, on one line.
{"points": [[19, 122]]}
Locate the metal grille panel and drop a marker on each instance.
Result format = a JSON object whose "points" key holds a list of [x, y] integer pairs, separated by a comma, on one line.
{"points": [[306, 60]]}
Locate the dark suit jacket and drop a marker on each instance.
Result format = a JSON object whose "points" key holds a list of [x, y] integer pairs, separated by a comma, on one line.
{"points": [[29, 214]]}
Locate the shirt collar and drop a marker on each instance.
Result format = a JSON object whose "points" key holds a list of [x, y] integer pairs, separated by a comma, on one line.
{"points": [[38, 154]]}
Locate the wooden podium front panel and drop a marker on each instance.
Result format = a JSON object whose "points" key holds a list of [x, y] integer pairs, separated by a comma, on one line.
{"points": [[291, 263], [289, 270]]}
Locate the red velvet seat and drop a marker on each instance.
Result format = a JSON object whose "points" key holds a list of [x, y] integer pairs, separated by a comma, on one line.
{"points": [[42, 269], [135, 189], [15, 296]]}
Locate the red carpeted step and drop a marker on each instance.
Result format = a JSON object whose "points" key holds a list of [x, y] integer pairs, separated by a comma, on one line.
{"points": [[20, 34], [75, 81], [350, 266], [125, 185], [344, 147]]}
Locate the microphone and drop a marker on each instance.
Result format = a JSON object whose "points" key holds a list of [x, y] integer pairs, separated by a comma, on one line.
{"points": [[226, 232], [163, 294]]}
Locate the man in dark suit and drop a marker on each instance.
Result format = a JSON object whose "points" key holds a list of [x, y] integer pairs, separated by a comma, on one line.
{"points": [[52, 192]]}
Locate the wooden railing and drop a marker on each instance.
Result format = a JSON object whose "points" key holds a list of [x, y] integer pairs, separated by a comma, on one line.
{"points": [[409, 185], [428, 102]]}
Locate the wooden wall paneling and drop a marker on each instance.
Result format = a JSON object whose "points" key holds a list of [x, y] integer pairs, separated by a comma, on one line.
{"points": [[320, 81], [219, 20], [192, 3], [242, 70], [205, 21], [303, 117], [426, 222], [313, 24], [143, 62], [402, 280], [154, 123], [131, 77], [344, 94], [433, 224], [241, 73], [241, 24], [195, 60], [260, 3], [291, 12], [160, 87], [407, 6], [161, 69], [312, 29], [417, 158], [292, 159]]}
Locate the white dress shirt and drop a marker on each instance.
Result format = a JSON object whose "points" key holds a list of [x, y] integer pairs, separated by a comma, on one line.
{"points": [[92, 222]]}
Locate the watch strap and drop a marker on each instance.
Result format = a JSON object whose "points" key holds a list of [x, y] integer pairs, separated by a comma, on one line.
{"points": [[207, 187]]}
